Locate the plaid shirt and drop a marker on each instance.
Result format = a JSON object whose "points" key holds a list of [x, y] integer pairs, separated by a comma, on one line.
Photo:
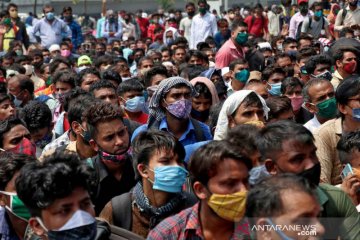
{"points": [[186, 225]]}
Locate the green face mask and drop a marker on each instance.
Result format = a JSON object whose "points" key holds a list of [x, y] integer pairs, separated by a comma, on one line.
{"points": [[242, 38], [327, 108], [17, 207], [242, 76], [202, 10], [48, 81]]}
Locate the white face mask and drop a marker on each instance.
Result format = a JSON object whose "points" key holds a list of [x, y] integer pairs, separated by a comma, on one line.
{"points": [[79, 69], [29, 69]]}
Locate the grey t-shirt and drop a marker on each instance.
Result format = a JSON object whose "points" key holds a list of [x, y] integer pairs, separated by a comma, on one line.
{"points": [[315, 28]]}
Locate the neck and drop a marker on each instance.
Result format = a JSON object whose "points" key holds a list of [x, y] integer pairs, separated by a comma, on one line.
{"points": [[133, 115], [115, 169], [343, 73], [214, 227], [156, 198], [350, 125], [176, 126], [84, 151], [321, 120], [238, 46]]}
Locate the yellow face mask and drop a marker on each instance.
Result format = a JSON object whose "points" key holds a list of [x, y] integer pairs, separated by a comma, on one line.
{"points": [[229, 206], [258, 124]]}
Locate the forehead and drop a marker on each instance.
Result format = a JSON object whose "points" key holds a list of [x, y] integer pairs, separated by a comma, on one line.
{"points": [[16, 131], [90, 75], [229, 168], [104, 91], [183, 89], [109, 127], [300, 144]]}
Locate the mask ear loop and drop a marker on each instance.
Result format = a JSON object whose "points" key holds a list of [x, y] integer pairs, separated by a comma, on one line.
{"points": [[152, 188]]}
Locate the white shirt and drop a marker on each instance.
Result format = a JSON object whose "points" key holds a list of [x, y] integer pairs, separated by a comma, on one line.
{"points": [[312, 124], [201, 28], [185, 25]]}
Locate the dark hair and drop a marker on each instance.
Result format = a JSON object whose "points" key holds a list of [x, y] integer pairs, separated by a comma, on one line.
{"points": [[275, 134], [305, 53], [214, 115], [56, 62], [193, 71], [244, 137], [25, 83], [202, 1], [143, 59], [288, 41], [65, 76], [196, 53], [10, 163], [282, 55], [112, 75], [130, 85], [5, 96], [238, 61], [309, 84], [7, 125], [205, 161], [69, 96], [105, 59], [161, 70], [278, 105], [99, 113], [348, 144], [291, 83], [304, 36], [237, 24], [346, 30], [101, 85], [67, 8], [271, 70], [311, 64], [78, 106], [190, 4], [339, 53], [11, 5], [40, 184], [22, 58], [265, 199], [83, 73], [349, 87], [37, 115], [147, 143], [202, 90]]}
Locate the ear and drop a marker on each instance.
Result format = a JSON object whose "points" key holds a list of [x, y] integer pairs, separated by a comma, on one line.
{"points": [[143, 171], [200, 190], [270, 166], [311, 108], [94, 145], [263, 234], [338, 63], [231, 123], [76, 127], [343, 109], [36, 227], [121, 101], [163, 103]]}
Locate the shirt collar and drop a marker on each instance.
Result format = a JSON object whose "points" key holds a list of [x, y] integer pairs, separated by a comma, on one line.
{"points": [[163, 126], [321, 196], [193, 223]]}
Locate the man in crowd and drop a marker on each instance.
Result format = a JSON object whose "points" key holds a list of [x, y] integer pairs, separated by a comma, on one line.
{"points": [[346, 64], [185, 23]]}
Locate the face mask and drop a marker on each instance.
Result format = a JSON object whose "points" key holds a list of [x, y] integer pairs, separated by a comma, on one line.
{"points": [[24, 147], [296, 102], [327, 108], [14, 14], [200, 115], [202, 10], [125, 78], [191, 14], [353, 4], [257, 174], [81, 226], [180, 109], [169, 178], [289, 71], [169, 41], [17, 102], [256, 123], [50, 16], [292, 53], [68, 18], [325, 75], [82, 68], [279, 47], [44, 141], [356, 114], [350, 67], [242, 76], [65, 53], [318, 14], [114, 158], [28, 69], [19, 52], [60, 97], [241, 38], [230, 207], [17, 207], [312, 174], [86, 136], [111, 20], [47, 59], [278, 231], [48, 81], [275, 89], [38, 65], [135, 104]]}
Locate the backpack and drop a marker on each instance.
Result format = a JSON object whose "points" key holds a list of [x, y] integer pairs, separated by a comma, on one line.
{"points": [[123, 234], [298, 32], [343, 15], [123, 202]]}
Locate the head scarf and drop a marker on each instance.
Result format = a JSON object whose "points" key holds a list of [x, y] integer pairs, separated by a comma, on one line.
{"points": [[210, 72], [331, 17], [175, 32], [210, 85], [231, 104], [155, 110]]}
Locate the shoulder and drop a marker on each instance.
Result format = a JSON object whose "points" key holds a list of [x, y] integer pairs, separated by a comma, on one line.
{"points": [[329, 125]]}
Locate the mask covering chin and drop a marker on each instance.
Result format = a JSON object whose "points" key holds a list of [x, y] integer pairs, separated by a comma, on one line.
{"points": [[312, 175], [114, 158]]}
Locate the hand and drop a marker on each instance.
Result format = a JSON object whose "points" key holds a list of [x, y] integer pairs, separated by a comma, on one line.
{"points": [[350, 186], [111, 34], [2, 30]]}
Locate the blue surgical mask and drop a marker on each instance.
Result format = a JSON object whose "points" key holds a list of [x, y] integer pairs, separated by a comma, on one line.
{"points": [[326, 75], [135, 104], [257, 174], [50, 16], [169, 178], [17, 102], [356, 114], [275, 89], [318, 14], [278, 231]]}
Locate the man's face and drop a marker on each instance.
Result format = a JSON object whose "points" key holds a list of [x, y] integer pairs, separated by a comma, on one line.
{"points": [[37, 59], [14, 87], [303, 43], [62, 67], [293, 91], [146, 65], [111, 137], [295, 157], [13, 137], [355, 159], [276, 78], [155, 80], [99, 48], [179, 55], [239, 68], [246, 114], [290, 47], [61, 210], [284, 62], [7, 62], [237, 31], [353, 102], [165, 56], [319, 93], [107, 95], [88, 80], [46, 73], [349, 57], [190, 9], [223, 28], [201, 103], [176, 94], [231, 177], [299, 208], [67, 13], [260, 89], [211, 55], [62, 87], [196, 61], [321, 68], [7, 109]]}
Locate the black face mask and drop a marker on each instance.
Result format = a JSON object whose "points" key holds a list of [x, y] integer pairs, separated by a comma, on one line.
{"points": [[353, 4], [38, 65], [304, 11], [191, 14], [312, 175]]}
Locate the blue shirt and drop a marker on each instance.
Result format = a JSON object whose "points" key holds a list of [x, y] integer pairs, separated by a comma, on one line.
{"points": [[51, 33], [98, 27], [107, 28], [191, 148], [76, 36], [187, 138]]}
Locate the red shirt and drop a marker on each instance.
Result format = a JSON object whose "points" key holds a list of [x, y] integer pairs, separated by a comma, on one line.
{"points": [[228, 53], [143, 24], [257, 26], [142, 119]]}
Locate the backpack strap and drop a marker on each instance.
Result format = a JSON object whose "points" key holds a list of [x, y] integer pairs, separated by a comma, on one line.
{"points": [[122, 211], [310, 21], [199, 134], [343, 15]]}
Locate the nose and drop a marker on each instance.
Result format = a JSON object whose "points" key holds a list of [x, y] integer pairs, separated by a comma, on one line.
{"points": [[255, 117], [119, 141]]}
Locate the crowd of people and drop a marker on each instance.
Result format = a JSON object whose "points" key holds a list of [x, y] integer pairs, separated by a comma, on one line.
{"points": [[187, 124]]}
